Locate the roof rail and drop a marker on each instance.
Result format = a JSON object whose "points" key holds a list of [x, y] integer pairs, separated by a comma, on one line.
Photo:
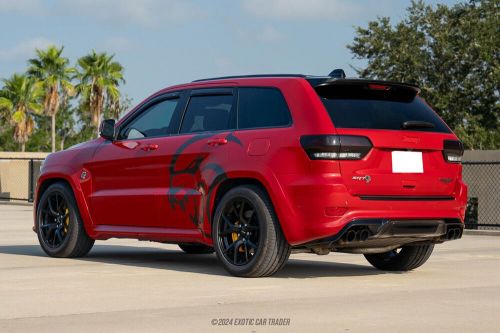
{"points": [[250, 76], [335, 74]]}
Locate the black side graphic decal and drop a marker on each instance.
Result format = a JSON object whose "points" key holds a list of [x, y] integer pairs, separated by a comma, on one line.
{"points": [[179, 199]]}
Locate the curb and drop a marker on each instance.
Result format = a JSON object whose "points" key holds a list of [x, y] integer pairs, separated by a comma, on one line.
{"points": [[482, 232], [13, 203]]}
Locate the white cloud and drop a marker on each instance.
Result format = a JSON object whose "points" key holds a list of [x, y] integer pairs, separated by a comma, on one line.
{"points": [[299, 10], [25, 49], [22, 6], [149, 13], [266, 34], [117, 44], [224, 65], [270, 35]]}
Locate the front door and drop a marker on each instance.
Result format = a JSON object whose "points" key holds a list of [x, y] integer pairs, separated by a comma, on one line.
{"points": [[130, 175]]}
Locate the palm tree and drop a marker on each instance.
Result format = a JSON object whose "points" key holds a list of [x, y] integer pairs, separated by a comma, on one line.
{"points": [[21, 97], [99, 77], [52, 69]]}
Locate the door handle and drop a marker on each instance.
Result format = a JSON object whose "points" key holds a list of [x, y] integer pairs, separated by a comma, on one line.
{"points": [[216, 142], [150, 147]]}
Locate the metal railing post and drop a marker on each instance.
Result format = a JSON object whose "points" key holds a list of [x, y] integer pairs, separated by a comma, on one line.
{"points": [[31, 182]]}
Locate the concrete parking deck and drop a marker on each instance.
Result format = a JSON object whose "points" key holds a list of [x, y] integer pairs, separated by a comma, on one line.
{"points": [[126, 285]]}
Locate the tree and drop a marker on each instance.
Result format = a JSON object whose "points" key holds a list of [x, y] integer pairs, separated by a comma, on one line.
{"points": [[116, 110], [452, 53], [99, 77], [20, 98], [66, 125], [52, 69]]}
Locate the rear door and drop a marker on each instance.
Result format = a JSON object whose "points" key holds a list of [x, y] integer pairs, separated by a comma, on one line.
{"points": [[197, 155], [407, 138]]}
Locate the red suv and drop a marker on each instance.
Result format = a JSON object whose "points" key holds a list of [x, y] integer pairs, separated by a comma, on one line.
{"points": [[255, 167]]}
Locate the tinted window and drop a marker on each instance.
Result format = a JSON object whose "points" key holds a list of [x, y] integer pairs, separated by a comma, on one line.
{"points": [[262, 107], [380, 114], [208, 113], [154, 121]]}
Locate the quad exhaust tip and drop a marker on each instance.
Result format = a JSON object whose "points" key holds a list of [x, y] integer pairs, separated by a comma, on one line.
{"points": [[359, 235], [454, 233]]}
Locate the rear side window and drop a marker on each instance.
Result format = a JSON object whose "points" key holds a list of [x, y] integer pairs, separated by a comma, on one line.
{"points": [[355, 108], [208, 113], [262, 107]]}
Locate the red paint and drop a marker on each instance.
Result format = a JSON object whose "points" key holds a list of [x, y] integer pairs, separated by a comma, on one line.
{"points": [[258, 147], [129, 189]]}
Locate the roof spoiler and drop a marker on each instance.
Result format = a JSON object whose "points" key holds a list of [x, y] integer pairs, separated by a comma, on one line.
{"points": [[337, 74]]}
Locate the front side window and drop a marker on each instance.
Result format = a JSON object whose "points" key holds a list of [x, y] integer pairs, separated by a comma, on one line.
{"points": [[208, 113], [152, 122], [262, 107]]}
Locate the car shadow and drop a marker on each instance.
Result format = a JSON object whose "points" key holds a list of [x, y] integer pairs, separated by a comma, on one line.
{"points": [[150, 257]]}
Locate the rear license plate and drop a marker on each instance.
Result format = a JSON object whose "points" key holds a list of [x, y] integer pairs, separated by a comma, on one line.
{"points": [[407, 162]]}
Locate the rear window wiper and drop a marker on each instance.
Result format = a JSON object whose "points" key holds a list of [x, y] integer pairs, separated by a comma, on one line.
{"points": [[416, 124]]}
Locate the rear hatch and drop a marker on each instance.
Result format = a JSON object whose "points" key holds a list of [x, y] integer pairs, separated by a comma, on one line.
{"points": [[391, 143]]}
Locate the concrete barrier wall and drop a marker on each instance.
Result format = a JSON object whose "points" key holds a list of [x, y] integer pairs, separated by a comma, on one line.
{"points": [[481, 155], [15, 174], [483, 180]]}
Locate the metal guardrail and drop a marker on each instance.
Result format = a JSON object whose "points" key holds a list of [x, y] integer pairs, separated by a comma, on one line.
{"points": [[18, 178]]}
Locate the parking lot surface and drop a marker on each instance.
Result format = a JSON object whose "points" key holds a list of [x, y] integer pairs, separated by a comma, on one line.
{"points": [[132, 286]]}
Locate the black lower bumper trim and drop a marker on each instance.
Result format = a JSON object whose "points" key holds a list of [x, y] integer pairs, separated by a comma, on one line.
{"points": [[387, 233]]}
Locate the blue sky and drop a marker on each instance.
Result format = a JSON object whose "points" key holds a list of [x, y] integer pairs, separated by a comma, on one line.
{"points": [[165, 42]]}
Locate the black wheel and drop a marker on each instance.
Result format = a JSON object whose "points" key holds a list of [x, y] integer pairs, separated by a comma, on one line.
{"points": [[58, 224], [404, 259], [246, 234], [192, 248]]}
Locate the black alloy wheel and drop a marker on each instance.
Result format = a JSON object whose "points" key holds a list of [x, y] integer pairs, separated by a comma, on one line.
{"points": [[58, 223], [239, 232], [54, 221], [246, 233]]}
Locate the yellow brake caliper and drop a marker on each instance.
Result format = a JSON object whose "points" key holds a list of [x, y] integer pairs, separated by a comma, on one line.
{"points": [[234, 237], [66, 221]]}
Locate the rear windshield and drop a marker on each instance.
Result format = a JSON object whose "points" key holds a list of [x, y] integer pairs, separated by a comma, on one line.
{"points": [[382, 114]]}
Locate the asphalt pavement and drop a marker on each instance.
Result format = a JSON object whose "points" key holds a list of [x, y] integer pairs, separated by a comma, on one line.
{"points": [[132, 286]]}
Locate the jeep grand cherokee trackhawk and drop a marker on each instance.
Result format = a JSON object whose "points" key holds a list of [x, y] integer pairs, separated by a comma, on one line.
{"points": [[255, 167]]}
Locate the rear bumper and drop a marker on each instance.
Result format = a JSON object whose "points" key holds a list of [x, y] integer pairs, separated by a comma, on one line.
{"points": [[321, 206], [381, 235]]}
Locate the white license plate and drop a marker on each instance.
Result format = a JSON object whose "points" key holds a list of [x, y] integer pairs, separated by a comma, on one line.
{"points": [[407, 162]]}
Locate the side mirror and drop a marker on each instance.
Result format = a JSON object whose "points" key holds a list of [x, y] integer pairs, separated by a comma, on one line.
{"points": [[107, 129]]}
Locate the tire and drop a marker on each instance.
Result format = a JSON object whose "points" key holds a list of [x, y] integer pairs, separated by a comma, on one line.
{"points": [[75, 241], [259, 242], [191, 248], [408, 258]]}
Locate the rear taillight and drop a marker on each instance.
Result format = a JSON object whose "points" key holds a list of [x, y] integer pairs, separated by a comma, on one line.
{"points": [[335, 147], [453, 151]]}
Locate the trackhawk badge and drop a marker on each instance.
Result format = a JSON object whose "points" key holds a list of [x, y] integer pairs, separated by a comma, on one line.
{"points": [[366, 178]]}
